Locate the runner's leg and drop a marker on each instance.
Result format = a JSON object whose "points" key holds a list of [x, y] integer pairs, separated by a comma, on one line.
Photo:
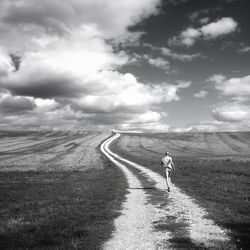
{"points": [[167, 179]]}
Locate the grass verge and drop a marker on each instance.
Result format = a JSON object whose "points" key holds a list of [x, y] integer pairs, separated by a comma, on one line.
{"points": [[59, 210]]}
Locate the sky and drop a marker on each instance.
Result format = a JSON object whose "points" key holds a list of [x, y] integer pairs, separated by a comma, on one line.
{"points": [[130, 65]]}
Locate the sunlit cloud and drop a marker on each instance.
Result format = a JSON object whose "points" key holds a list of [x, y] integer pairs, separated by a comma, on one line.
{"points": [[201, 94], [221, 27]]}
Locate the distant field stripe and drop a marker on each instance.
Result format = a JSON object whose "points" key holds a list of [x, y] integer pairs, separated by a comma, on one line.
{"points": [[12, 142], [241, 142], [202, 231], [225, 139], [23, 145], [63, 151]]}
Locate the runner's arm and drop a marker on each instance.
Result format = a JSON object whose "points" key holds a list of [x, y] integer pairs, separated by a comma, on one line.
{"points": [[172, 164]]}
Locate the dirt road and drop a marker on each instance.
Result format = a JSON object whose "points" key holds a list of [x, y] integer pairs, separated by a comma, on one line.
{"points": [[152, 218]]}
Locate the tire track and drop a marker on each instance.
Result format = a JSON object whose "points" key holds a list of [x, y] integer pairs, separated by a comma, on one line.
{"points": [[203, 232]]}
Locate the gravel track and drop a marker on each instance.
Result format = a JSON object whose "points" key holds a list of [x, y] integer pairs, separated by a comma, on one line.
{"points": [[203, 232], [134, 229]]}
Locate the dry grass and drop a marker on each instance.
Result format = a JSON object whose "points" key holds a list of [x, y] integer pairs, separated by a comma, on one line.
{"points": [[49, 151]]}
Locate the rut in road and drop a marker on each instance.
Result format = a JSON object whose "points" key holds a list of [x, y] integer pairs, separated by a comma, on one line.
{"points": [[203, 232]]}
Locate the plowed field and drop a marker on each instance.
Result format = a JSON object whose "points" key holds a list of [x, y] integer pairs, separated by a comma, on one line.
{"points": [[50, 151]]}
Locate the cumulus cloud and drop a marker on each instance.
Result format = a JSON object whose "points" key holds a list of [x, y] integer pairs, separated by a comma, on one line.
{"points": [[60, 17], [201, 94], [68, 73], [221, 27], [232, 112], [204, 20], [245, 49], [130, 96], [214, 126], [178, 56], [189, 36], [16, 104], [217, 78], [169, 53], [232, 87], [235, 109], [158, 62]]}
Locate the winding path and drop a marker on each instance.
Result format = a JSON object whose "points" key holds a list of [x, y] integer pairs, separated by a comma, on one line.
{"points": [[135, 228]]}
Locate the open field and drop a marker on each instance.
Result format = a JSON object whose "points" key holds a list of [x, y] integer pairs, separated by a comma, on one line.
{"points": [[213, 168], [57, 191], [50, 151]]}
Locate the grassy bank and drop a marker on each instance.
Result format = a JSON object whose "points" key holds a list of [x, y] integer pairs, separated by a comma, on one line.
{"points": [[59, 210], [221, 186]]}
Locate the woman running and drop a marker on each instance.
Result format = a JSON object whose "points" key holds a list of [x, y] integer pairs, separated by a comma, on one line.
{"points": [[168, 164]]}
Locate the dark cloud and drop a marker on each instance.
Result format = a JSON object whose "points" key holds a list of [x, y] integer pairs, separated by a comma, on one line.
{"points": [[45, 88], [16, 104], [52, 16], [16, 60], [42, 84]]}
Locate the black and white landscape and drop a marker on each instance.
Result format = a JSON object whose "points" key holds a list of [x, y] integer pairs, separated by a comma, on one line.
{"points": [[93, 92]]}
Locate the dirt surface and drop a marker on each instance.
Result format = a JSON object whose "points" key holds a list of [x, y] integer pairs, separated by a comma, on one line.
{"points": [[138, 213], [134, 228]]}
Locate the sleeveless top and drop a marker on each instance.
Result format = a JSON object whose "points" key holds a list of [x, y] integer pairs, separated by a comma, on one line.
{"points": [[167, 162]]}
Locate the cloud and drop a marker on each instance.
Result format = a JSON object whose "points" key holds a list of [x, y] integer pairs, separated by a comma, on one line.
{"points": [[16, 60], [5, 63], [245, 49], [129, 96], [65, 68], [214, 126], [45, 105], [189, 36], [204, 20], [201, 94], [16, 104], [158, 62], [202, 14], [232, 112], [118, 100], [60, 17], [234, 87], [217, 78], [176, 2], [221, 27], [68, 74], [146, 127], [178, 56]]}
